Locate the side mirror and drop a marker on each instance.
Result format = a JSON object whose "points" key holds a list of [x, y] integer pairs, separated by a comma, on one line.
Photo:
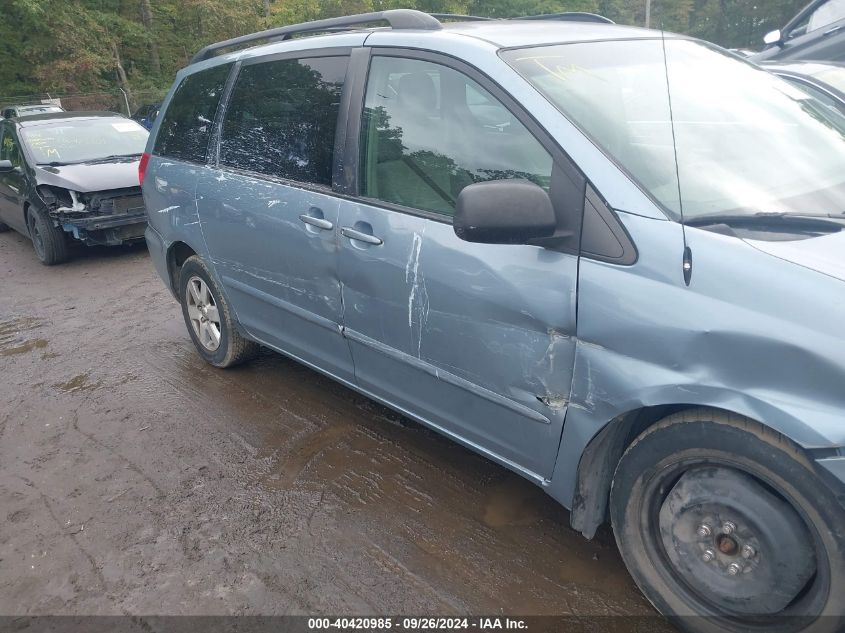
{"points": [[775, 37], [504, 212], [6, 166]]}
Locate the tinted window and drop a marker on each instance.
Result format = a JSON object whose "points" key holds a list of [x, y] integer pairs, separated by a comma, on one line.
{"points": [[282, 116], [9, 149], [429, 131], [187, 123]]}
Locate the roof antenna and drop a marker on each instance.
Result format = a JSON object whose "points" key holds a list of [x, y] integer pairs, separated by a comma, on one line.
{"points": [[687, 260]]}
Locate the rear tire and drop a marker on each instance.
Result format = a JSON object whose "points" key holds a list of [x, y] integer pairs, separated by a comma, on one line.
{"points": [[701, 489], [209, 318], [49, 241]]}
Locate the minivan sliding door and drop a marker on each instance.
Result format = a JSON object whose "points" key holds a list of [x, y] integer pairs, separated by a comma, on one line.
{"points": [[267, 212]]}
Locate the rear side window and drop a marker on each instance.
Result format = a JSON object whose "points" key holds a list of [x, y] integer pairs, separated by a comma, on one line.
{"points": [[281, 118], [188, 120]]}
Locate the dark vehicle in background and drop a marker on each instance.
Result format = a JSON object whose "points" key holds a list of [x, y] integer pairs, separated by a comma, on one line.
{"points": [[816, 33], [71, 176], [824, 82], [146, 115], [11, 112]]}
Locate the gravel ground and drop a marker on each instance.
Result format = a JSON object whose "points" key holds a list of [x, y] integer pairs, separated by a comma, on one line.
{"points": [[135, 479]]}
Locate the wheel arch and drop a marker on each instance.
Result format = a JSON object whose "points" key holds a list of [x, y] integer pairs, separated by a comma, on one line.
{"points": [[598, 460], [27, 205], [177, 254]]}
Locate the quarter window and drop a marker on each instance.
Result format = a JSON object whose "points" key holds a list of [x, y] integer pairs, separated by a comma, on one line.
{"points": [[282, 117], [429, 131], [186, 127]]}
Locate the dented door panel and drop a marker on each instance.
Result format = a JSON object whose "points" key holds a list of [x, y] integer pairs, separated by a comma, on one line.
{"points": [[475, 338], [274, 249]]}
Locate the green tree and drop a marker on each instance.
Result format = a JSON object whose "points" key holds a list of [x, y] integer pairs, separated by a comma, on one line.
{"points": [[65, 46]]}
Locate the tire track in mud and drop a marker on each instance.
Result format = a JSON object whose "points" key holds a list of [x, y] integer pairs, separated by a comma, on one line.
{"points": [[63, 533], [264, 489], [130, 464], [91, 560]]}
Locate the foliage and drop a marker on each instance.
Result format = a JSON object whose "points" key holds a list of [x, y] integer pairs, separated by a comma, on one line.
{"points": [[71, 46]]}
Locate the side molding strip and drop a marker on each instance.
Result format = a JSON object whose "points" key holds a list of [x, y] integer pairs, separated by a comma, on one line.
{"points": [[447, 377], [284, 305]]}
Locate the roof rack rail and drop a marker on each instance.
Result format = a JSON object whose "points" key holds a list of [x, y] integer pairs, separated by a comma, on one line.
{"points": [[570, 16], [396, 18], [458, 18]]}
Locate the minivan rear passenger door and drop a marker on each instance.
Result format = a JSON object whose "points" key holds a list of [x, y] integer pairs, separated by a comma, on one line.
{"points": [[478, 340], [266, 208]]}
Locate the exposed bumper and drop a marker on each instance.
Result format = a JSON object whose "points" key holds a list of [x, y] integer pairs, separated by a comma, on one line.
{"points": [[106, 229], [158, 253]]}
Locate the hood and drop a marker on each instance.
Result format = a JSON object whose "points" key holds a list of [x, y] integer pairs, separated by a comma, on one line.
{"points": [[825, 254], [86, 178]]}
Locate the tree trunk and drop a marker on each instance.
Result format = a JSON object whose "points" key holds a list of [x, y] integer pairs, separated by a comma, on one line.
{"points": [[266, 8], [147, 19], [121, 73]]}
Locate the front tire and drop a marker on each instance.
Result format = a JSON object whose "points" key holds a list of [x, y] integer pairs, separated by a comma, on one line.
{"points": [[49, 241], [718, 516], [209, 317]]}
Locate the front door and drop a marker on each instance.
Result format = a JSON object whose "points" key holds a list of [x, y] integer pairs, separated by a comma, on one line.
{"points": [[267, 212], [476, 339], [11, 182]]}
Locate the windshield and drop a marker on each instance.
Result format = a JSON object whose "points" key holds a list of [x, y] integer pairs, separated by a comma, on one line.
{"points": [[31, 110], [78, 141], [747, 141]]}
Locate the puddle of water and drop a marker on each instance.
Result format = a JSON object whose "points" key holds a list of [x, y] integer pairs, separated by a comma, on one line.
{"points": [[78, 383], [23, 348], [515, 502], [11, 342], [18, 325], [289, 466]]}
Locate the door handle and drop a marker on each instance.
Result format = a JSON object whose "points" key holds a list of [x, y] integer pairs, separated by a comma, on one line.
{"points": [[352, 234], [320, 223], [833, 30]]}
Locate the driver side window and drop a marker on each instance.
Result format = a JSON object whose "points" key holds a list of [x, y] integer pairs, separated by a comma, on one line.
{"points": [[9, 149], [830, 12], [429, 131]]}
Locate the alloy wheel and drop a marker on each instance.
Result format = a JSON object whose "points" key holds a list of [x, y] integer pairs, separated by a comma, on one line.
{"points": [[203, 313]]}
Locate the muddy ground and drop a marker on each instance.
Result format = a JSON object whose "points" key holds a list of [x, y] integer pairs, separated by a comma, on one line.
{"points": [[135, 479]]}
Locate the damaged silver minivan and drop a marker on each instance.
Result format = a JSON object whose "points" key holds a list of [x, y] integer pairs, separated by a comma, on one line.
{"points": [[608, 259]]}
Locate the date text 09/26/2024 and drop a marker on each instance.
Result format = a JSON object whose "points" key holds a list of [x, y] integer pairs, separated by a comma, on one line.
{"points": [[417, 624]]}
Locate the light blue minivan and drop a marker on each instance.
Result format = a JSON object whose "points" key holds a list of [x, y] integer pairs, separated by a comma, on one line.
{"points": [[607, 258]]}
